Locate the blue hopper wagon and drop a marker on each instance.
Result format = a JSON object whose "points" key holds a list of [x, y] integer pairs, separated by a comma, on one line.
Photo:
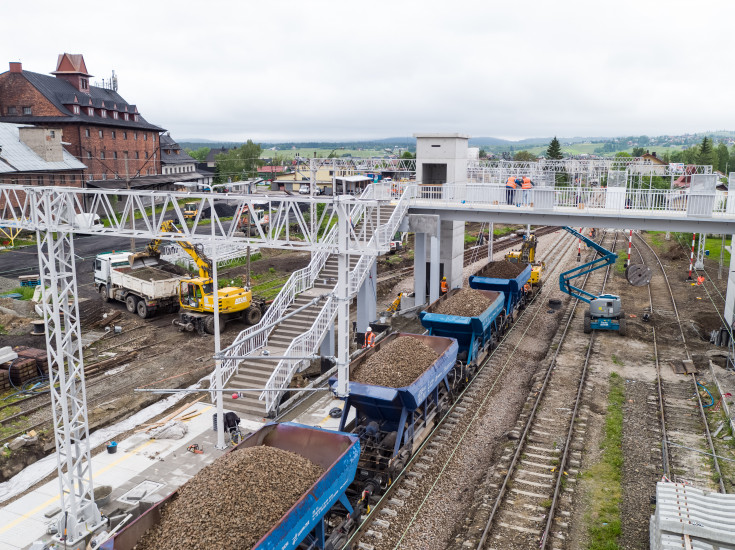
{"points": [[473, 334], [337, 453], [515, 295], [392, 422]]}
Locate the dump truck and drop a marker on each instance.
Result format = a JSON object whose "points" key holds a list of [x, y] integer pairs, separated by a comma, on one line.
{"points": [[145, 289]]}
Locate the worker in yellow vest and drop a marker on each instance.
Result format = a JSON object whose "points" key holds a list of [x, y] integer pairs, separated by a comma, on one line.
{"points": [[526, 186]]}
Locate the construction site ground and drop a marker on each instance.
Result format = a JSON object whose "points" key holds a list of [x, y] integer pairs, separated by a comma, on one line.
{"points": [[167, 358]]}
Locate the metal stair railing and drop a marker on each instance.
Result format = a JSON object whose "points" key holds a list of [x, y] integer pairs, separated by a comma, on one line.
{"points": [[307, 343], [246, 343]]}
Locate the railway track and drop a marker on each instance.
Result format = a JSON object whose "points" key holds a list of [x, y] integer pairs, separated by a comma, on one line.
{"points": [[683, 420], [387, 524], [477, 253]]}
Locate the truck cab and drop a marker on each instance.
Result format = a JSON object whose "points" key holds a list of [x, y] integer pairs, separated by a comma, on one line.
{"points": [[105, 262], [190, 210]]}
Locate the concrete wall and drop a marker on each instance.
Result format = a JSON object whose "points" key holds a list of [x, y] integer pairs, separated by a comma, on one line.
{"points": [[45, 142], [449, 149]]}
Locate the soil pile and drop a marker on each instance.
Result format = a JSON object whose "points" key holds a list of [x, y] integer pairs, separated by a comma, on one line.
{"points": [[467, 302], [502, 270], [396, 364], [234, 501]]}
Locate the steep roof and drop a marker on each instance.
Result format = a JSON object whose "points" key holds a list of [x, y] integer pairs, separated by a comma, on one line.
{"points": [[16, 156], [177, 154], [71, 63], [60, 92]]}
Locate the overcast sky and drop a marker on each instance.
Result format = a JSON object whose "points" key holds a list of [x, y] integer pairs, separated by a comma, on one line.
{"points": [[312, 69]]}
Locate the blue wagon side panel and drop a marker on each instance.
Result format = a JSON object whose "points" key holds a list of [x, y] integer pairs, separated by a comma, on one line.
{"points": [[511, 287]]}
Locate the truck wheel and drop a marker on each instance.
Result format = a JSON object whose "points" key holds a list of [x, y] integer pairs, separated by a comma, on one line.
{"points": [[209, 325], [142, 309], [587, 322], [131, 302], [103, 293], [253, 315], [623, 327]]}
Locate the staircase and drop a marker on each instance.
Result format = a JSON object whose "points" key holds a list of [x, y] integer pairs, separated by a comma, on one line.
{"points": [[301, 335]]}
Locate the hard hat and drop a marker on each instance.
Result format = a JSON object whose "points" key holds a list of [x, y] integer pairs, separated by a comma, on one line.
{"points": [[444, 278], [234, 396], [369, 329]]}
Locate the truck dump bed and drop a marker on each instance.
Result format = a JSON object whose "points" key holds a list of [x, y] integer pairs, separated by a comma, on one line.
{"points": [[336, 452], [146, 281]]}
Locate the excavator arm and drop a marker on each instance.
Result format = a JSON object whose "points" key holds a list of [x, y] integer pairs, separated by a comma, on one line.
{"points": [[196, 252], [604, 259]]}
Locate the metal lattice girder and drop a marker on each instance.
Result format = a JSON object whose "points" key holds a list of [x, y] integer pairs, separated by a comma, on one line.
{"points": [[66, 367], [699, 263], [140, 214], [352, 166]]}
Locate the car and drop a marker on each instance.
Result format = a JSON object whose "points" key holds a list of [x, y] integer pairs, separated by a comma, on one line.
{"points": [[306, 190]]}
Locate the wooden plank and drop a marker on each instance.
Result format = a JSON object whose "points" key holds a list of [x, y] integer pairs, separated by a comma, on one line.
{"points": [[677, 366], [689, 366]]}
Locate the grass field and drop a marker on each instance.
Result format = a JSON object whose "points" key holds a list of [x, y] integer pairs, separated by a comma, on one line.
{"points": [[322, 153], [589, 149]]}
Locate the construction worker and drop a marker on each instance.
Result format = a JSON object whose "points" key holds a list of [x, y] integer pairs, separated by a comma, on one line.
{"points": [[369, 338], [700, 280], [444, 287], [510, 188], [526, 185]]}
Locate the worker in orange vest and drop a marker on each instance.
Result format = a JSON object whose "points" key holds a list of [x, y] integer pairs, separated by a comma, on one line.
{"points": [[369, 338], [444, 287], [700, 280], [526, 185], [510, 188]]}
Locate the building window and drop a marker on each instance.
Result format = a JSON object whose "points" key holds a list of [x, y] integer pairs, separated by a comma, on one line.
{"points": [[135, 118], [103, 113], [73, 178], [135, 136], [145, 137], [39, 180], [101, 133], [27, 111], [114, 155], [51, 179], [153, 137], [63, 179], [89, 154], [125, 135], [90, 111], [86, 132], [28, 180], [146, 154], [114, 115], [137, 155], [104, 175], [102, 155], [12, 111], [75, 109], [85, 83], [51, 133], [114, 134], [126, 116]]}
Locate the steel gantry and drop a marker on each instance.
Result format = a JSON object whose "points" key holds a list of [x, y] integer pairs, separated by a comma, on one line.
{"points": [[56, 214]]}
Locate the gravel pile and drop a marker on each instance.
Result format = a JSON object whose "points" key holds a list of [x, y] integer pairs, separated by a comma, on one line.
{"points": [[396, 364], [234, 501], [502, 270], [150, 274], [468, 302]]}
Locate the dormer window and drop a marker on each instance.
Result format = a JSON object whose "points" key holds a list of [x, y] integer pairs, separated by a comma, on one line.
{"points": [[75, 109], [103, 113], [90, 111], [114, 115], [126, 116], [135, 117]]}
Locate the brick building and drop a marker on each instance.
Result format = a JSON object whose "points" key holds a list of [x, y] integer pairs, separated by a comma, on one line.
{"points": [[99, 126]]}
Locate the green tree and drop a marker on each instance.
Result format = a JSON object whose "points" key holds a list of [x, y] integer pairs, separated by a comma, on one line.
{"points": [[554, 150], [483, 153], [199, 154], [638, 151], [407, 155], [622, 154], [723, 158], [706, 153], [524, 156], [239, 163]]}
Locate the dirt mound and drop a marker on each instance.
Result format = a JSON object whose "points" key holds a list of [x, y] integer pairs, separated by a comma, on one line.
{"points": [[234, 501], [675, 253], [501, 270], [465, 303], [222, 210], [396, 364]]}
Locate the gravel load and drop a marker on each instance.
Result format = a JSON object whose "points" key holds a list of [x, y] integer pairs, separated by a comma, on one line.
{"points": [[468, 302], [502, 270], [234, 501], [396, 364], [150, 274]]}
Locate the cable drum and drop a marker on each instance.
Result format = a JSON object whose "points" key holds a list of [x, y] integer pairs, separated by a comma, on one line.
{"points": [[638, 274]]}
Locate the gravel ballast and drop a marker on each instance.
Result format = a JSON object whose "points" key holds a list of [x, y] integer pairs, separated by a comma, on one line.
{"points": [[396, 364], [501, 270], [467, 302], [233, 502]]}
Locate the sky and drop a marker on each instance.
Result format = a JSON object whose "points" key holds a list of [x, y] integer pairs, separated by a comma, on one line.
{"points": [[343, 70]]}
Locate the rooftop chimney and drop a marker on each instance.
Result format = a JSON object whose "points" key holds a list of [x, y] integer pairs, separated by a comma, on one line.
{"points": [[16, 67]]}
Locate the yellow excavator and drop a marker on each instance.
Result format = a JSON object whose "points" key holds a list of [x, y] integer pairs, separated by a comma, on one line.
{"points": [[196, 294], [527, 255]]}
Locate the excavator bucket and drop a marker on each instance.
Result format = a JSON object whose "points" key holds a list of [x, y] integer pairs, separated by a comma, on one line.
{"points": [[142, 259]]}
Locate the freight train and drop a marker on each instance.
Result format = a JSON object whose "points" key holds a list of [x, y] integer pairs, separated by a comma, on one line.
{"points": [[389, 424]]}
